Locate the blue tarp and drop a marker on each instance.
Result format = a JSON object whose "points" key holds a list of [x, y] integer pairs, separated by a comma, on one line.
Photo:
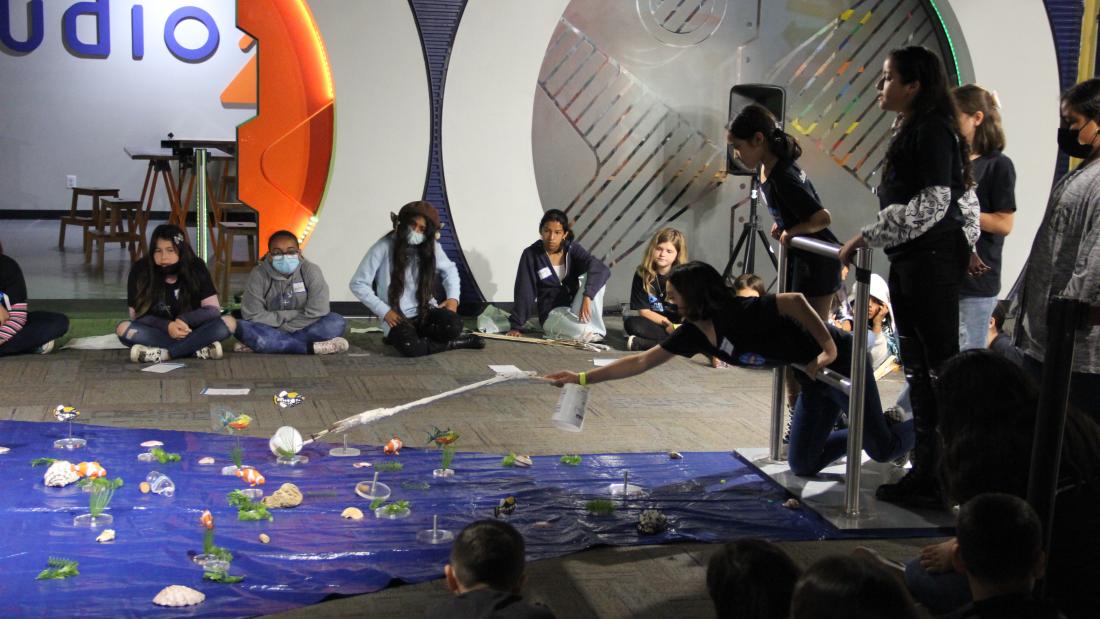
{"points": [[313, 552]]}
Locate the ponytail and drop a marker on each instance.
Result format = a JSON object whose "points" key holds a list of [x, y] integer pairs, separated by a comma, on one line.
{"points": [[755, 119]]}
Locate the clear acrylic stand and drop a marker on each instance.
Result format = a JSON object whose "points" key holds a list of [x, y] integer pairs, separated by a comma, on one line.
{"points": [[94, 522], [344, 451], [434, 535], [71, 442]]}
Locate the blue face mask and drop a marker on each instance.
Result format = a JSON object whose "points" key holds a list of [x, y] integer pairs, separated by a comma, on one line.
{"points": [[414, 238], [285, 264]]}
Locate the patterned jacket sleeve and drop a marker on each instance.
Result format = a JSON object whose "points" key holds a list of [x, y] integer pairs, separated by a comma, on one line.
{"points": [[899, 223]]}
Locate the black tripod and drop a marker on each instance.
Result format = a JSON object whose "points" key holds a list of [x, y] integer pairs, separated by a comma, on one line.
{"points": [[744, 248]]}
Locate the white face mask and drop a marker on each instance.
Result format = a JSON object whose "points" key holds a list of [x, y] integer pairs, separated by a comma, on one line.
{"points": [[414, 238]]}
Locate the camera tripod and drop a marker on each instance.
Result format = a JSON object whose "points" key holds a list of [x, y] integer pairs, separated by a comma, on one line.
{"points": [[744, 248]]}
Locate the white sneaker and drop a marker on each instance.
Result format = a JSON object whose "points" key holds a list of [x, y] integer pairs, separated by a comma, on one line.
{"points": [[44, 349], [213, 351], [330, 347], [630, 342], [147, 354]]}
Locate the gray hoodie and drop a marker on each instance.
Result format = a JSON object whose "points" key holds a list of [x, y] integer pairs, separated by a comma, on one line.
{"points": [[286, 302]]}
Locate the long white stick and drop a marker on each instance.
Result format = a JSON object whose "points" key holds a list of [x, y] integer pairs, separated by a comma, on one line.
{"points": [[378, 413]]}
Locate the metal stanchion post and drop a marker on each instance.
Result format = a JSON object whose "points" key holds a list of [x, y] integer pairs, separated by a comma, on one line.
{"points": [[779, 391], [858, 377], [201, 237]]}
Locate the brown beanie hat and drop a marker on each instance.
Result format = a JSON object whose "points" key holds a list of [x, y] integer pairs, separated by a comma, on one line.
{"points": [[422, 208]]}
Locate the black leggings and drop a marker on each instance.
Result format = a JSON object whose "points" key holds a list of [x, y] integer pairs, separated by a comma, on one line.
{"points": [[41, 327], [647, 333], [924, 290], [426, 334]]}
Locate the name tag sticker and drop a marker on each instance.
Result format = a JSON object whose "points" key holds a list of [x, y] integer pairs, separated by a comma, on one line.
{"points": [[726, 347], [544, 273], [298, 287]]}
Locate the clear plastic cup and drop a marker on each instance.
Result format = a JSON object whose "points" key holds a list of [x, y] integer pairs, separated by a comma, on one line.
{"points": [[161, 484]]}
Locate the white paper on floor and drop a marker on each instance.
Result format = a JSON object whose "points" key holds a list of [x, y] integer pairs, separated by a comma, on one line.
{"points": [[504, 369], [95, 342], [225, 391], [163, 367], [366, 329]]}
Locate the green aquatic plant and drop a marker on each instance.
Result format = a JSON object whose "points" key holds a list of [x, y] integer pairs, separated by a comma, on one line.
{"points": [[571, 459], [389, 467], [600, 507], [58, 569], [247, 509], [163, 456], [100, 491]]}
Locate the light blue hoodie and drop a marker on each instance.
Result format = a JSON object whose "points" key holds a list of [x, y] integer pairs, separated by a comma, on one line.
{"points": [[371, 282]]}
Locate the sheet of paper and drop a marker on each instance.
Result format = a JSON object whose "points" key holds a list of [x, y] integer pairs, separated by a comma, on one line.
{"points": [[504, 369], [602, 362], [163, 368], [225, 391], [366, 329]]}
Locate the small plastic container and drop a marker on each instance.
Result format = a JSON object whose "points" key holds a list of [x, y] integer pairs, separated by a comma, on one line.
{"points": [[161, 484]]}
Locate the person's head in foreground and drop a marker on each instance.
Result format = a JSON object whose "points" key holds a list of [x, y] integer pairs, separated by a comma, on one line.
{"points": [[284, 252], [749, 285], [487, 554], [999, 545], [698, 290], [845, 587], [751, 579]]}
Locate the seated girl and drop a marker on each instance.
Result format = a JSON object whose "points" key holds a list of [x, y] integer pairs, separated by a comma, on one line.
{"points": [[23, 331], [752, 331], [396, 278], [657, 316], [556, 272], [174, 309]]}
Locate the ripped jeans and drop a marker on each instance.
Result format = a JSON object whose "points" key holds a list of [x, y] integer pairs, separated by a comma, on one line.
{"points": [[264, 339]]}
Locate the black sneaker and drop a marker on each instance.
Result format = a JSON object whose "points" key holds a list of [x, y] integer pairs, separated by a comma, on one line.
{"points": [[787, 432], [467, 340], [912, 491]]}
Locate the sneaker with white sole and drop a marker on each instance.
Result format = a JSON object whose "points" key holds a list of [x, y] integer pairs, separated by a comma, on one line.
{"points": [[45, 349], [630, 342], [147, 354], [241, 347], [213, 351], [330, 347]]}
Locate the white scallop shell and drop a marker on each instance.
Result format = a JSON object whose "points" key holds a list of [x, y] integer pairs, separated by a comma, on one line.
{"points": [[206, 460], [354, 513], [108, 535], [178, 595], [4, 450], [286, 439], [60, 474], [152, 444]]}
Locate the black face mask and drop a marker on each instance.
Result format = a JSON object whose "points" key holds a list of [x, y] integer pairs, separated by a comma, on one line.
{"points": [[1068, 144], [168, 269]]}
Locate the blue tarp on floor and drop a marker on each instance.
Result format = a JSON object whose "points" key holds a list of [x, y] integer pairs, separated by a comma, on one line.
{"points": [[314, 553]]}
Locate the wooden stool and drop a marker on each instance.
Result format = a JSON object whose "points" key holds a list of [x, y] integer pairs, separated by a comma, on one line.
{"points": [[122, 226], [74, 219], [228, 231], [233, 212]]}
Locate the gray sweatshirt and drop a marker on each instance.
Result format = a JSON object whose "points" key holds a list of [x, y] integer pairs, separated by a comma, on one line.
{"points": [[1065, 260], [286, 302]]}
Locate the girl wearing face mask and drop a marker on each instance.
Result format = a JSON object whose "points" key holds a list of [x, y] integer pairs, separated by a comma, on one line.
{"points": [[928, 225], [285, 307], [550, 277], [1065, 255], [174, 309], [657, 316], [396, 280]]}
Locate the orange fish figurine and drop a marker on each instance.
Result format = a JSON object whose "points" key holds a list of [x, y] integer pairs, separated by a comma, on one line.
{"points": [[251, 476], [240, 422], [91, 470], [393, 447], [207, 519]]}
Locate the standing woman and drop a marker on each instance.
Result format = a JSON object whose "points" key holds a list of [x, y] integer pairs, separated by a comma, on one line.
{"points": [[928, 223], [995, 177], [174, 309], [657, 316], [792, 200], [396, 281], [549, 277], [21, 330]]}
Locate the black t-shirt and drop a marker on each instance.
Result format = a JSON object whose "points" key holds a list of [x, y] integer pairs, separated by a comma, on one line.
{"points": [[168, 307], [927, 156], [657, 301], [12, 284], [750, 332], [996, 179], [486, 604], [792, 199]]}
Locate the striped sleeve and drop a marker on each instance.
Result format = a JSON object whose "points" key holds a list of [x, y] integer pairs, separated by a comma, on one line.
{"points": [[17, 319]]}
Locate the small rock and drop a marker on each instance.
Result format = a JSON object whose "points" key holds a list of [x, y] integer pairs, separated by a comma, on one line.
{"points": [[353, 513], [264, 538], [543, 524], [144, 487], [792, 504], [652, 522], [108, 535], [288, 495], [206, 460], [675, 455]]}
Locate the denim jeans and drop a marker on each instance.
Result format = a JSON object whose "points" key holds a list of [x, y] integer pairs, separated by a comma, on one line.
{"points": [[139, 333], [814, 444], [939, 593], [974, 313], [264, 339], [41, 327]]}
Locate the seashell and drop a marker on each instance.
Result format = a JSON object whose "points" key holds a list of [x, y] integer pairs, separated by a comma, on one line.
{"points": [[205, 460], [792, 503], [251, 476], [352, 512], [524, 461], [4, 450], [362, 465], [91, 470], [144, 487], [178, 595], [151, 444], [264, 539], [675, 455], [60, 474], [288, 495], [108, 535], [286, 440]]}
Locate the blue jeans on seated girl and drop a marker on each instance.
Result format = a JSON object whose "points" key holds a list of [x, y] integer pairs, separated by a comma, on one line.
{"points": [[814, 444], [264, 339], [201, 336]]}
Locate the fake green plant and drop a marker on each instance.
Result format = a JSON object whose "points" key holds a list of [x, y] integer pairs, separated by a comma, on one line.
{"points": [[395, 508], [100, 491], [163, 456], [43, 461], [389, 467], [415, 485], [247, 509], [221, 576], [58, 569], [600, 507], [375, 504], [448, 456], [571, 459], [235, 454]]}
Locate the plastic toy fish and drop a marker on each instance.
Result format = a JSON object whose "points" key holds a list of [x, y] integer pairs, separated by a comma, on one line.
{"points": [[507, 507], [442, 437], [65, 413], [393, 447], [90, 470], [207, 519], [287, 399], [251, 476], [240, 422]]}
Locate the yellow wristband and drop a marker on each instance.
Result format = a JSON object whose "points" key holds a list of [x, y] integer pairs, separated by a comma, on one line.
{"points": [[582, 378]]}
